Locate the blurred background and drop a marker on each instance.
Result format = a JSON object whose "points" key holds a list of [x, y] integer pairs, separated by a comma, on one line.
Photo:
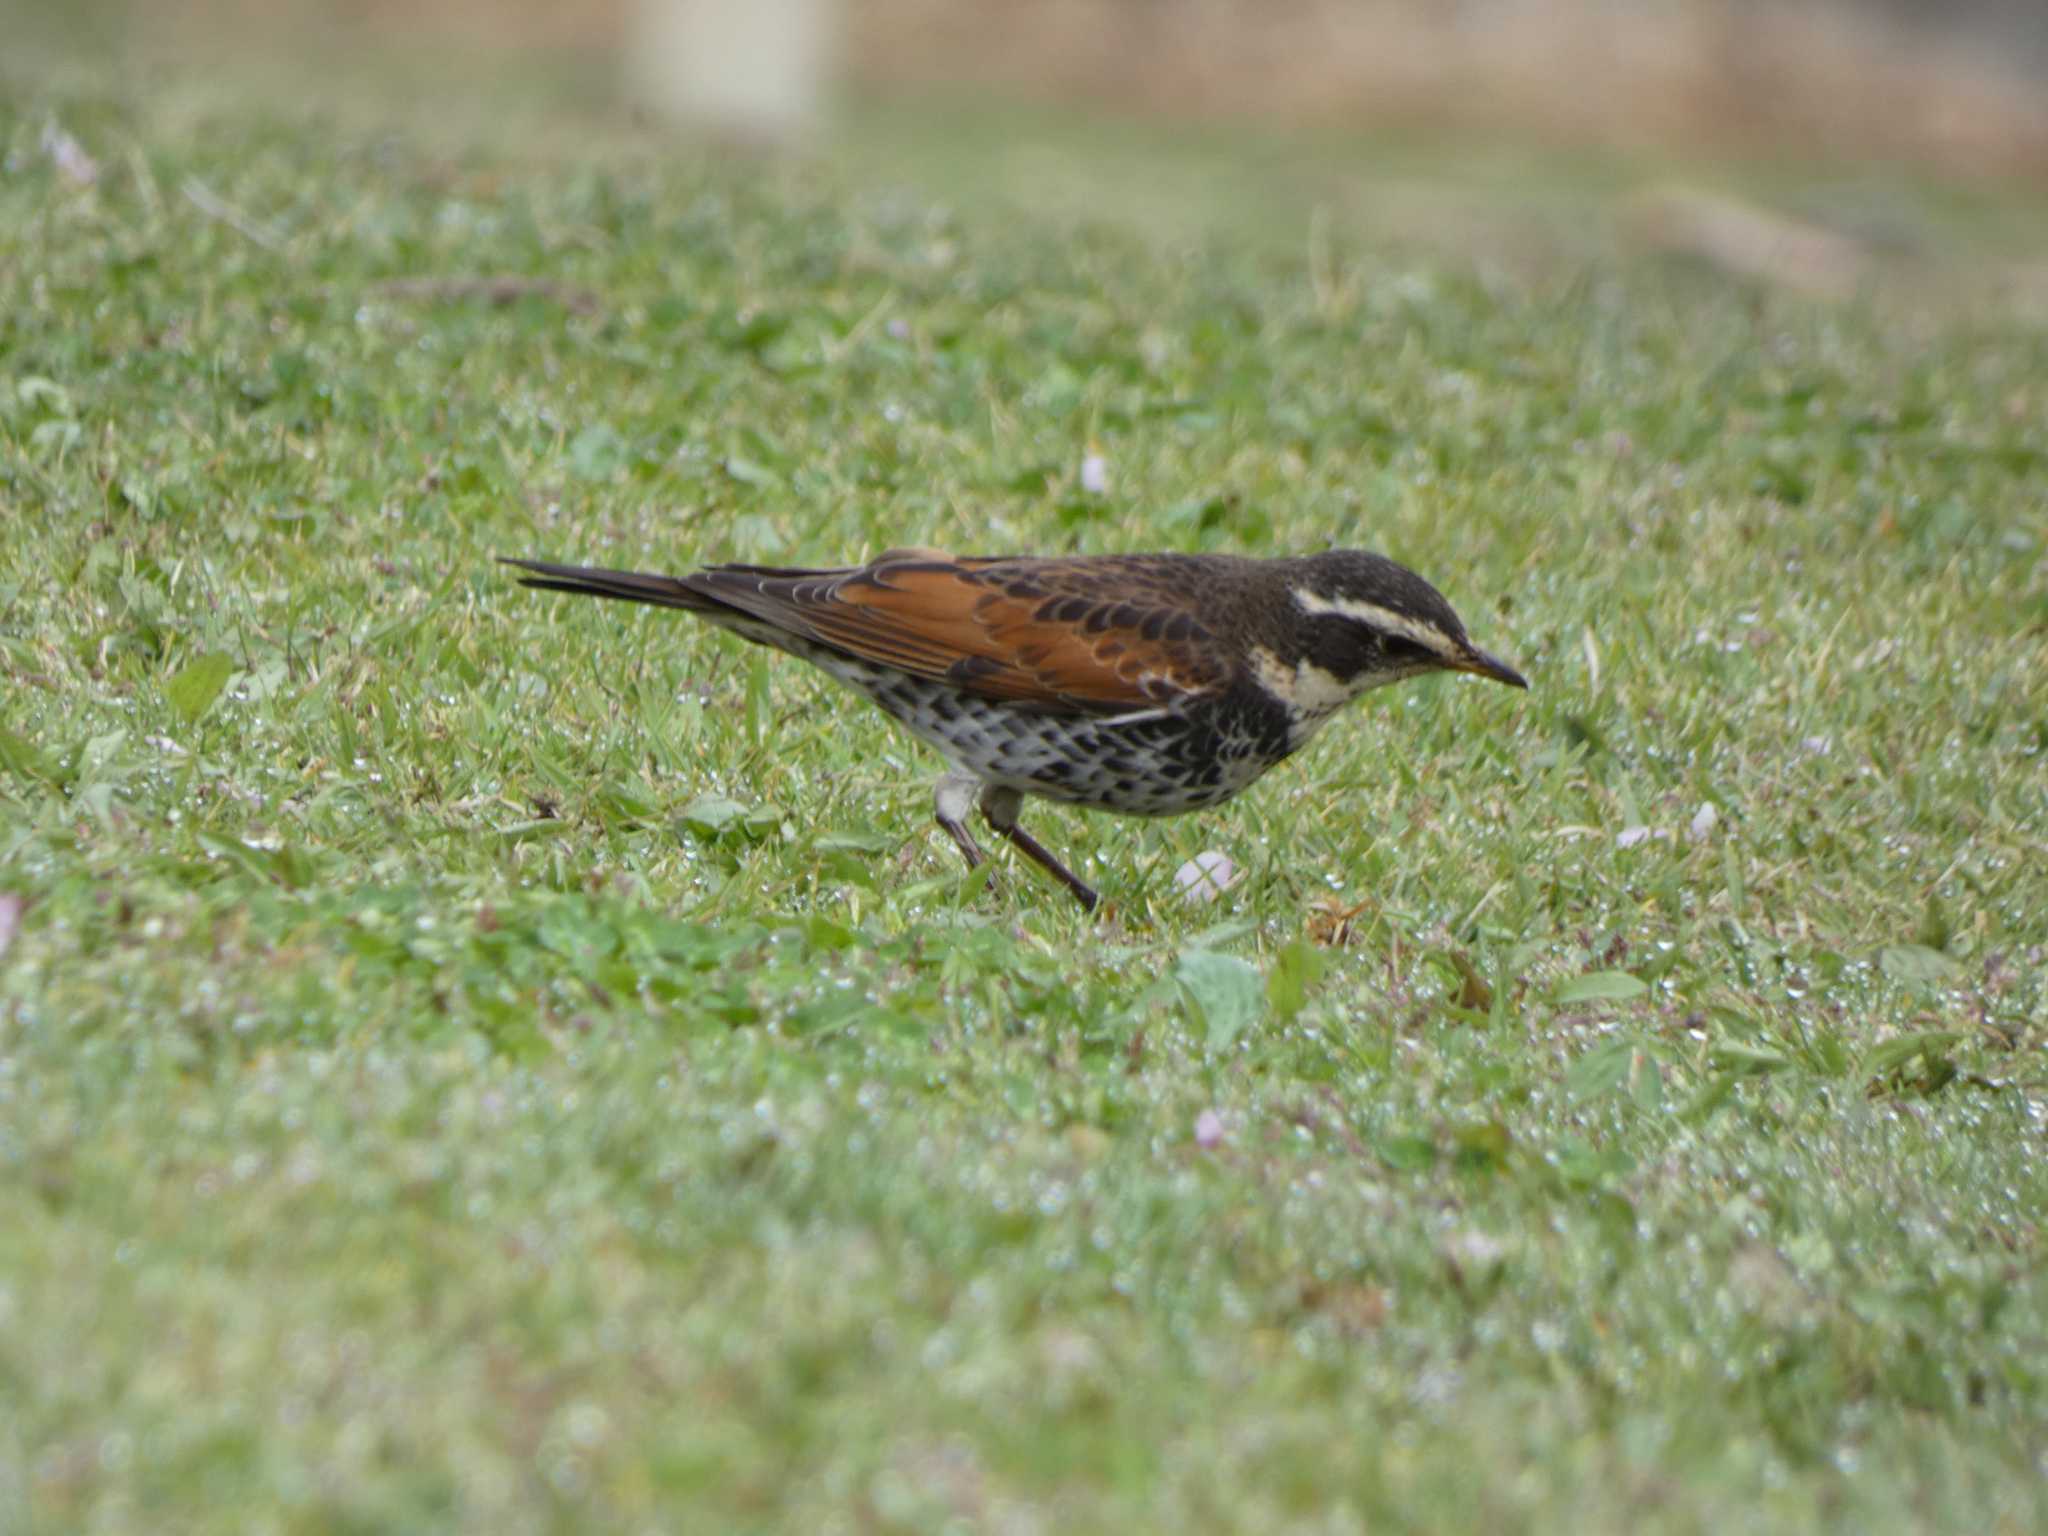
{"points": [[1818, 144], [1958, 82]]}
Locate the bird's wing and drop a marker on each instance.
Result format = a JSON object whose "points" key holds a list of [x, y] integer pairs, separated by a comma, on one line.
{"points": [[1052, 634]]}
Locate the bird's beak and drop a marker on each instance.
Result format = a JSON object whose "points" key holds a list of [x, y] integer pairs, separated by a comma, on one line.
{"points": [[1477, 661]]}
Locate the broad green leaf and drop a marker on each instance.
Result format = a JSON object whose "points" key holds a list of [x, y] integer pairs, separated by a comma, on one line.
{"points": [[1646, 1082], [576, 932], [711, 815], [1601, 987], [539, 826], [1748, 1058], [1896, 1052], [1296, 970], [1406, 1154], [1919, 964], [747, 472], [262, 863], [197, 684], [853, 842], [1601, 1070], [823, 933], [1227, 992], [21, 757], [1221, 934], [1482, 1144]]}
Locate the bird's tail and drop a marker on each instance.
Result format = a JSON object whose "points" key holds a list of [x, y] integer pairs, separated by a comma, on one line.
{"points": [[627, 586]]}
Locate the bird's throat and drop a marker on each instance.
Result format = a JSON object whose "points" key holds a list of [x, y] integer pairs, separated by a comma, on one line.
{"points": [[1309, 694]]}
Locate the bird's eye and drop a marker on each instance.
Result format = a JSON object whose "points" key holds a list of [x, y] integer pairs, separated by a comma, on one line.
{"points": [[1399, 648]]}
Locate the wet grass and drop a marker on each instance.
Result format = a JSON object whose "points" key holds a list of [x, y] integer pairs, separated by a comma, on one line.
{"points": [[473, 1060]]}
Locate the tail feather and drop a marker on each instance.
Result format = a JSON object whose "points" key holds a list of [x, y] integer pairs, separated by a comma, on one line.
{"points": [[627, 586]]}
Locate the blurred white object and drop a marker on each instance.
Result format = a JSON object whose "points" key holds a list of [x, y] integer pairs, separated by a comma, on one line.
{"points": [[73, 163], [1206, 876], [1095, 474], [1704, 821], [1208, 1129], [754, 68]]}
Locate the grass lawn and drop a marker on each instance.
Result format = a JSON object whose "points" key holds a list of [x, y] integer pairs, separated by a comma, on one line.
{"points": [[477, 1061]]}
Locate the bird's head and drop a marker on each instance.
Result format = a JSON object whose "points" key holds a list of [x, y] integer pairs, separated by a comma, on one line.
{"points": [[1364, 621]]}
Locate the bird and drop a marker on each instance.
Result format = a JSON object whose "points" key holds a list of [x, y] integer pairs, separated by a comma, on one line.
{"points": [[1140, 684]]}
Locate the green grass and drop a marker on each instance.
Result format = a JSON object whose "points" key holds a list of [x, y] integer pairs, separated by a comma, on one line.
{"points": [[478, 1061]]}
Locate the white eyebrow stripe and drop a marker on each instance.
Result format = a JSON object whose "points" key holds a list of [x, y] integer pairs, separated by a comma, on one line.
{"points": [[1379, 618]]}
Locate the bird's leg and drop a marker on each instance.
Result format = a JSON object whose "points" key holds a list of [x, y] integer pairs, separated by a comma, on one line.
{"points": [[953, 800], [1000, 806]]}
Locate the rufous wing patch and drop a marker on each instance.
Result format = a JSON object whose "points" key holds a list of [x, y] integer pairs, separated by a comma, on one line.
{"points": [[1004, 630]]}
